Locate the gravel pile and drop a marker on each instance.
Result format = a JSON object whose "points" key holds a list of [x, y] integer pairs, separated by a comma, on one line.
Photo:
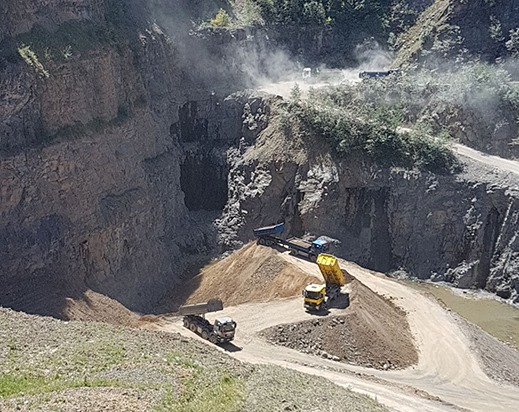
{"points": [[373, 333]]}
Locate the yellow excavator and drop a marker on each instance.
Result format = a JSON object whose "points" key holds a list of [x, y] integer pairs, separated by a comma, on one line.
{"points": [[317, 297]]}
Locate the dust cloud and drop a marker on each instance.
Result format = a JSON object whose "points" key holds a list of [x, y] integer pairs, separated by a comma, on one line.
{"points": [[370, 55]]}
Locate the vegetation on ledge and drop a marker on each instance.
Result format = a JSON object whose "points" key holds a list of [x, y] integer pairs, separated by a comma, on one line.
{"points": [[407, 120]]}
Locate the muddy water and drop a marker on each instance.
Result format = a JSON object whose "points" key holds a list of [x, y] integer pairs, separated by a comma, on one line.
{"points": [[496, 318]]}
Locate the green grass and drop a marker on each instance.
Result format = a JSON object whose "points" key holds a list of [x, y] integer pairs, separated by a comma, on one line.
{"points": [[179, 359], [99, 357], [12, 385], [204, 391], [42, 359]]}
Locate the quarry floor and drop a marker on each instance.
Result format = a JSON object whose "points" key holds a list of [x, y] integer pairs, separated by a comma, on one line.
{"points": [[449, 374]]}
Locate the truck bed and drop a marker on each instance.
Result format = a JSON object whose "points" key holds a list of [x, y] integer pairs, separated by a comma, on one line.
{"points": [[269, 230], [330, 269], [212, 305], [299, 243]]}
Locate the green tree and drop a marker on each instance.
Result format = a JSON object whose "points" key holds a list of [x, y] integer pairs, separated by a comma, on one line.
{"points": [[314, 12]]}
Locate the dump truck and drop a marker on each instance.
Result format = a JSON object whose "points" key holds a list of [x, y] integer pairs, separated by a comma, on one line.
{"points": [[376, 75], [269, 236], [318, 297], [223, 329]]}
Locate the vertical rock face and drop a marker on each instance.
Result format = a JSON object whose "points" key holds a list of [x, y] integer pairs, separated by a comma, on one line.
{"points": [[21, 16], [112, 162], [85, 213], [461, 229]]}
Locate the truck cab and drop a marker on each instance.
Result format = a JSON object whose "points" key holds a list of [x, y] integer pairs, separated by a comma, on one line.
{"points": [[319, 246], [315, 297], [225, 328]]}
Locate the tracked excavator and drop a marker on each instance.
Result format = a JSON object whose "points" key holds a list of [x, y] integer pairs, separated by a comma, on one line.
{"points": [[223, 329], [318, 297]]}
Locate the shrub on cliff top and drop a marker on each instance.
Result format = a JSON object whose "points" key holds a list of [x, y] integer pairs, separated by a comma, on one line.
{"points": [[397, 120], [369, 121], [374, 133], [221, 19]]}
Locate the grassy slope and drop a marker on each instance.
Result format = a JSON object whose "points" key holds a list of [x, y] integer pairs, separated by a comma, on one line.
{"points": [[52, 365], [411, 42]]}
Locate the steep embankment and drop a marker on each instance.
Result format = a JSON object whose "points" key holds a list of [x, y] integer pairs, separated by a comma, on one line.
{"points": [[476, 104], [449, 28]]}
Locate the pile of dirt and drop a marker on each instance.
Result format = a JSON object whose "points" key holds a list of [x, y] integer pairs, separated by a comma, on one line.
{"points": [[93, 306], [373, 333], [252, 274]]}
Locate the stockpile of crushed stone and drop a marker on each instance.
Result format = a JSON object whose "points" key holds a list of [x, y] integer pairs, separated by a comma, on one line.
{"points": [[373, 333], [252, 274]]}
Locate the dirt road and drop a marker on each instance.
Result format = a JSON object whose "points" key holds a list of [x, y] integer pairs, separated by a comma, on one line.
{"points": [[447, 376], [493, 161]]}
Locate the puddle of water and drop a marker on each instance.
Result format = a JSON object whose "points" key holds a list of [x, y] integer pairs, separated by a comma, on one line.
{"points": [[498, 319]]}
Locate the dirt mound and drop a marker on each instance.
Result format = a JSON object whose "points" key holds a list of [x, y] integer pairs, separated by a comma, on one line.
{"points": [[252, 274], [373, 333], [93, 306]]}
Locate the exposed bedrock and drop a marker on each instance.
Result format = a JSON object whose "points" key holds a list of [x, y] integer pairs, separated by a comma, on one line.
{"points": [[124, 168], [113, 165], [462, 229]]}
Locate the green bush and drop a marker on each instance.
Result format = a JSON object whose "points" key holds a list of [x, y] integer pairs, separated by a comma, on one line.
{"points": [[32, 60], [405, 120], [221, 19]]}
